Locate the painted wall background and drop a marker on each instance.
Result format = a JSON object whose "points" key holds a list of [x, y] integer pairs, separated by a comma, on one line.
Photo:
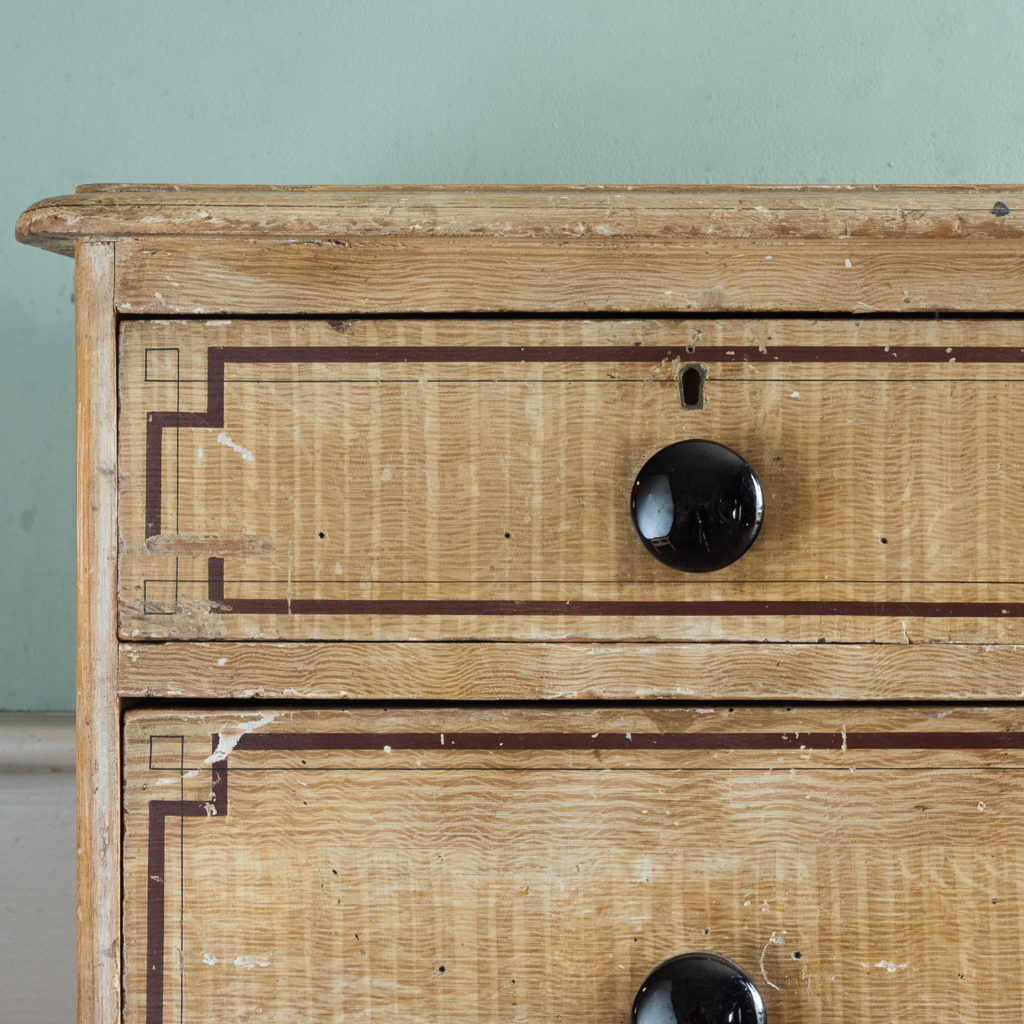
{"points": [[465, 91]]}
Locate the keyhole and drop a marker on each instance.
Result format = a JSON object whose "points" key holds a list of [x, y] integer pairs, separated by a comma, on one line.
{"points": [[691, 386]]}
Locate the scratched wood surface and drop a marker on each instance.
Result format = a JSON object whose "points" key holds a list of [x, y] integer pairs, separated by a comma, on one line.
{"points": [[860, 865], [455, 479], [116, 211], [456, 275], [97, 734], [571, 671], [203, 250]]}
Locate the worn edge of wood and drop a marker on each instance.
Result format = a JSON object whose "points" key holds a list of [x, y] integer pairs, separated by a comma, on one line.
{"points": [[571, 671], [113, 212], [268, 276], [98, 727]]}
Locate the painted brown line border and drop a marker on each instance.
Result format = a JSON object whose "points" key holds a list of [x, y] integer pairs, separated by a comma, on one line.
{"points": [[218, 357], [217, 806], [404, 606], [159, 812]]}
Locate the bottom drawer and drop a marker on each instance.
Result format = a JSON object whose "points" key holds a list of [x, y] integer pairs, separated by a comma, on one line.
{"points": [[473, 864]]}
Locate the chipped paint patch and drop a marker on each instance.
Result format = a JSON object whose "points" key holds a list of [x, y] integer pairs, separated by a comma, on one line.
{"points": [[194, 545], [249, 962], [890, 967], [775, 940], [223, 439], [181, 778], [230, 735]]}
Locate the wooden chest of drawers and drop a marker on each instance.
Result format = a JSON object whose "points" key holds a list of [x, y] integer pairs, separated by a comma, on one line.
{"points": [[385, 710]]}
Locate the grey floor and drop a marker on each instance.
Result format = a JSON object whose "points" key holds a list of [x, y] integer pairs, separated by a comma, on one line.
{"points": [[37, 869]]}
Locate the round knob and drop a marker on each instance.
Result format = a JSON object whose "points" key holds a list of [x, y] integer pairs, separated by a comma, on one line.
{"points": [[697, 505], [698, 988]]}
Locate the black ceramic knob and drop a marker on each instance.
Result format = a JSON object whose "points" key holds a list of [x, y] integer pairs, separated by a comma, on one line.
{"points": [[697, 505], [698, 988]]}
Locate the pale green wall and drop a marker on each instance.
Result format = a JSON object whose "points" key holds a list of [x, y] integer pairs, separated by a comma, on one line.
{"points": [[442, 91]]}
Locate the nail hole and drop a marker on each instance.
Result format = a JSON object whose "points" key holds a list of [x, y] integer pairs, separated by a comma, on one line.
{"points": [[691, 386], [885, 540], [507, 535], [441, 969], [321, 534], [796, 955]]}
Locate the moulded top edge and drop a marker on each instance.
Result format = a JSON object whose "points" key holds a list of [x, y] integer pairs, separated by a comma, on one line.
{"points": [[553, 213]]}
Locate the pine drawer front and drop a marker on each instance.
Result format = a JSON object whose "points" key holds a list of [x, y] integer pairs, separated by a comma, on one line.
{"points": [[470, 479], [330, 865]]}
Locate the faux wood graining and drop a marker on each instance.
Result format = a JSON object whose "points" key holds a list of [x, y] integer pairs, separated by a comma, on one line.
{"points": [[470, 479], [572, 671], [477, 866]]}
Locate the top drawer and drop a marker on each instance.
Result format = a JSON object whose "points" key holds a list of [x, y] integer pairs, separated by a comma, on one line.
{"points": [[468, 479]]}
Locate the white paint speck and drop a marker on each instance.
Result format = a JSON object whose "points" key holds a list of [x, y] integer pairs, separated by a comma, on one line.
{"points": [[223, 438], [773, 941], [767, 257], [199, 453], [249, 962], [385, 474], [795, 394], [981, 805], [208, 959], [387, 749], [890, 967], [629, 739], [848, 265], [221, 662]]}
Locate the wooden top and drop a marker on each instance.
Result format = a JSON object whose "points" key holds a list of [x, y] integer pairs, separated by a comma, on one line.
{"points": [[106, 212]]}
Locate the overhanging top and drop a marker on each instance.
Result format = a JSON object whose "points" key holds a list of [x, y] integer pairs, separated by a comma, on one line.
{"points": [[543, 213]]}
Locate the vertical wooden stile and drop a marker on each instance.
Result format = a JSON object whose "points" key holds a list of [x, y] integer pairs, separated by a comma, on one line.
{"points": [[97, 729]]}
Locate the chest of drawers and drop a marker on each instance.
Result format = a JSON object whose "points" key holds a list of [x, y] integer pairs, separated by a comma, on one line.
{"points": [[385, 711]]}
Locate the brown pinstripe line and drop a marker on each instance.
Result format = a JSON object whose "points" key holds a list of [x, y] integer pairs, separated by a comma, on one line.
{"points": [[159, 812], [557, 741], [404, 606]]}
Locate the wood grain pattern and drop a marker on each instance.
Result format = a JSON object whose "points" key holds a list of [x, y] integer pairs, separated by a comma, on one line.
{"points": [[372, 480], [97, 728], [558, 212], [569, 672], [514, 865], [429, 482], [444, 275]]}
